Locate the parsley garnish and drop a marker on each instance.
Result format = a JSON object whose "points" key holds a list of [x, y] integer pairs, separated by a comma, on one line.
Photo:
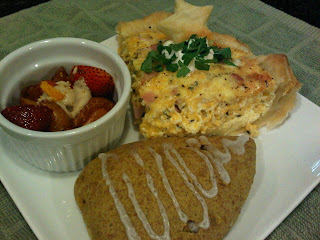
{"points": [[194, 48]]}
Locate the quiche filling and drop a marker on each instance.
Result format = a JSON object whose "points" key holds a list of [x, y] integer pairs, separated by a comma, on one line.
{"points": [[202, 101]]}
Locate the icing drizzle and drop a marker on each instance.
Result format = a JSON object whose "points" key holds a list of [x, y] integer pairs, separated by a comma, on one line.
{"points": [[183, 217], [130, 230], [141, 215], [211, 155], [167, 148]]}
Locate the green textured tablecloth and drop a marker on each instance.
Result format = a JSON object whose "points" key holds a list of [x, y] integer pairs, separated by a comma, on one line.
{"points": [[263, 28]]}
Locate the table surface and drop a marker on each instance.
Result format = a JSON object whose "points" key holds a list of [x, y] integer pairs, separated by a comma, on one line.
{"points": [[300, 224], [307, 11]]}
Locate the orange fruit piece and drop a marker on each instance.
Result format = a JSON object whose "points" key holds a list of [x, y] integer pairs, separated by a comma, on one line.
{"points": [[54, 93]]}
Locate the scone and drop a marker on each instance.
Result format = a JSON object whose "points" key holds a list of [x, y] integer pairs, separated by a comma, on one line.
{"points": [[242, 92], [167, 188]]}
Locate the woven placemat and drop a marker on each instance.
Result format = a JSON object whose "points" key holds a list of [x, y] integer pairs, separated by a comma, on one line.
{"points": [[263, 28]]}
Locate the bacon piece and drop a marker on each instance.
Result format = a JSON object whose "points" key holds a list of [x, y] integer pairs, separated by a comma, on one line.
{"points": [[237, 77], [242, 82], [148, 76], [138, 110], [149, 97], [264, 78], [154, 46], [174, 91]]}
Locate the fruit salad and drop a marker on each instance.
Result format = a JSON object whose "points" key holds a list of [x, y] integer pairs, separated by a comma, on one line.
{"points": [[64, 102]]}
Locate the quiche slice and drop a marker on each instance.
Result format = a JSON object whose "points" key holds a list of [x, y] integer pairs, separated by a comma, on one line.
{"points": [[227, 99], [167, 188]]}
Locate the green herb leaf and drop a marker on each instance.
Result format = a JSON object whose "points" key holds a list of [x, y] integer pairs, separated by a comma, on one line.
{"points": [[152, 54], [188, 57], [178, 46], [183, 71], [147, 65], [173, 67], [160, 48], [226, 61], [194, 48], [224, 52], [202, 65], [158, 68]]}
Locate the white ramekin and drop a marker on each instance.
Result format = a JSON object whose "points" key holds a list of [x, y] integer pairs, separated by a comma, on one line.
{"points": [[66, 150]]}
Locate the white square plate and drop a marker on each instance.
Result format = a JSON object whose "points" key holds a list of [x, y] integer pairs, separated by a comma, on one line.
{"points": [[288, 168]]}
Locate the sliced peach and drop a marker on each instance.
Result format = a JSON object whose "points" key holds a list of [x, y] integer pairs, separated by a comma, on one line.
{"points": [[26, 101], [96, 115], [32, 92], [61, 75], [89, 111], [61, 121]]}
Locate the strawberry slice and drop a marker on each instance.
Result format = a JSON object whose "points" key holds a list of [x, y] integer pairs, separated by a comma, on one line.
{"points": [[99, 81], [32, 117]]}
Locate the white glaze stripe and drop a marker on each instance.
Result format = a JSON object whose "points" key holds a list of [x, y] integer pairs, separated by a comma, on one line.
{"points": [[141, 215], [183, 217], [224, 157], [237, 146], [130, 230], [217, 158], [214, 190], [205, 223], [224, 175], [138, 159]]}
